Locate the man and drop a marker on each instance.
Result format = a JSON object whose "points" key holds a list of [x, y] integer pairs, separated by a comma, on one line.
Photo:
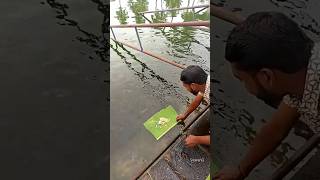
{"points": [[280, 65], [195, 80]]}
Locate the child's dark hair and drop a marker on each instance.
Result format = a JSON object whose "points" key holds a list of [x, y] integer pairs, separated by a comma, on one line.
{"points": [[269, 40], [193, 74]]}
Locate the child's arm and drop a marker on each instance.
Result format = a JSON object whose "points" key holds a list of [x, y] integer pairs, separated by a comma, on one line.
{"points": [[194, 104], [192, 140], [269, 137]]}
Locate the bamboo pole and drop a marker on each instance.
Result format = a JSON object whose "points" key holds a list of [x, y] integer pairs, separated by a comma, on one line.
{"points": [[175, 9], [151, 54], [226, 15], [296, 158], [190, 23]]}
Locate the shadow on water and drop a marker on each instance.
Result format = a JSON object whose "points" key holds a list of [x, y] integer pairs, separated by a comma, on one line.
{"points": [[99, 43]]}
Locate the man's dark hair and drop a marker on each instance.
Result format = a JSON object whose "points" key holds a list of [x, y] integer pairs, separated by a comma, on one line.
{"points": [[268, 40], [193, 74]]}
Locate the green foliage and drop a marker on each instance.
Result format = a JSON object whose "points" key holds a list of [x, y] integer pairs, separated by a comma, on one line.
{"points": [[122, 15], [137, 7]]}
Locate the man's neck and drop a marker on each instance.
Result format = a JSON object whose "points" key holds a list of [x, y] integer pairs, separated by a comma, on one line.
{"points": [[295, 83], [202, 88]]}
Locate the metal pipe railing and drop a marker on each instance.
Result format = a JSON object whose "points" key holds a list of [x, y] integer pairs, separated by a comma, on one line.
{"points": [[175, 9], [226, 15], [296, 158], [181, 24], [151, 54], [114, 36], [200, 10], [137, 33]]}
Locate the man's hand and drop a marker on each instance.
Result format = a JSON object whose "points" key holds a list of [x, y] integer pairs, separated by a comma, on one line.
{"points": [[181, 117], [229, 173], [191, 141], [194, 104]]}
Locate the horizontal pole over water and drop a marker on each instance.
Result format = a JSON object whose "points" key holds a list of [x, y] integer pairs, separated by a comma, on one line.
{"points": [[190, 23], [174, 9], [297, 157], [226, 15], [151, 54]]}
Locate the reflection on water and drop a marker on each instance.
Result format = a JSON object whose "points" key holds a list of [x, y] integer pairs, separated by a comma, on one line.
{"points": [[122, 15], [136, 7], [171, 4], [190, 15], [99, 43], [159, 17]]}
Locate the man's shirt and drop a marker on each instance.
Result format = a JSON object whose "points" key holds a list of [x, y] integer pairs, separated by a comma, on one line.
{"points": [[308, 104]]}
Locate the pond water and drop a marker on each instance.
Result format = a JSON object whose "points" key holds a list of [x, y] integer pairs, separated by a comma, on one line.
{"points": [[53, 92], [240, 115], [141, 85]]}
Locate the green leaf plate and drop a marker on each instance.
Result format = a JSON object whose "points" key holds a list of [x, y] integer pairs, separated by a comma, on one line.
{"points": [[161, 122]]}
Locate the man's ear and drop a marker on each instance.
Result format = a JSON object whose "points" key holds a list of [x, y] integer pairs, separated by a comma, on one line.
{"points": [[193, 85], [266, 77]]}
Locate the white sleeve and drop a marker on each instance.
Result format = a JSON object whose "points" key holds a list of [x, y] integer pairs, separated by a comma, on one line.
{"points": [[291, 101]]}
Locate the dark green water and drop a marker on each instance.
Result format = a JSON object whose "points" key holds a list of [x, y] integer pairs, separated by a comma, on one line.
{"points": [[53, 66]]}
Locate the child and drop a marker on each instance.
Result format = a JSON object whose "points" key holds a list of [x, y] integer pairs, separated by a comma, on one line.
{"points": [[196, 81], [276, 62]]}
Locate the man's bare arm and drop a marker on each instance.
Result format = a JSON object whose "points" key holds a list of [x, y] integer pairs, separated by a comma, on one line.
{"points": [[194, 104], [269, 137]]}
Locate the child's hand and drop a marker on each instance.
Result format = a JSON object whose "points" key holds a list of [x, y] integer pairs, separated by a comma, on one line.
{"points": [[181, 117], [191, 141]]}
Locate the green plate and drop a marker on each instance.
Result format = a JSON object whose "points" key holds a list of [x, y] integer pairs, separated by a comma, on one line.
{"points": [[161, 122]]}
